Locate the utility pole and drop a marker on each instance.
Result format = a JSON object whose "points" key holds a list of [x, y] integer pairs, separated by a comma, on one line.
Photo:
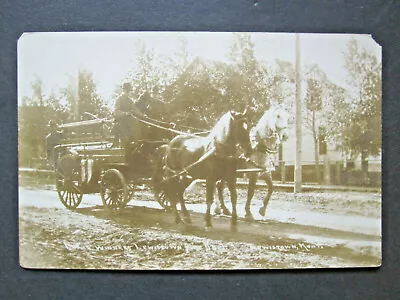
{"points": [[297, 167]]}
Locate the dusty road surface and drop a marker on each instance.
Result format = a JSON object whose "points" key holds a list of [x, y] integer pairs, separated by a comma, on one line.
{"points": [[335, 229]]}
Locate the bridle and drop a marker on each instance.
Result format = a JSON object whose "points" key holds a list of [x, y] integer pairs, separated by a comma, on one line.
{"points": [[269, 143]]}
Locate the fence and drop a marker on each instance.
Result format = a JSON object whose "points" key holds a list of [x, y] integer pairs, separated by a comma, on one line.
{"points": [[331, 173]]}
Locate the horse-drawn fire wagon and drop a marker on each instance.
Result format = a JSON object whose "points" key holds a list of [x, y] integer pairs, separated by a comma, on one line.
{"points": [[87, 161]]}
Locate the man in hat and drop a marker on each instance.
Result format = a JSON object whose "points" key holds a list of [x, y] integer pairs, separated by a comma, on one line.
{"points": [[52, 139], [126, 125]]}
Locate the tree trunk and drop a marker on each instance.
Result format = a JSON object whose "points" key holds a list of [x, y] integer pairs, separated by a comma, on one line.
{"points": [[316, 153], [364, 167]]}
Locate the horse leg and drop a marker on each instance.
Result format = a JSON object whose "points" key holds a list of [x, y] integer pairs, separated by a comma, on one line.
{"points": [[268, 180], [184, 209], [210, 187], [232, 190], [250, 193], [220, 189], [174, 208], [176, 213], [217, 209]]}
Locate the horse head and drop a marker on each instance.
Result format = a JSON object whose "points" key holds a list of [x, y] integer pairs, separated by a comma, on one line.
{"points": [[240, 130], [281, 119], [271, 128]]}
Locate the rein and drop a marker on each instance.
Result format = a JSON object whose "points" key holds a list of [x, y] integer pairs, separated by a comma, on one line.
{"points": [[199, 130], [162, 127]]}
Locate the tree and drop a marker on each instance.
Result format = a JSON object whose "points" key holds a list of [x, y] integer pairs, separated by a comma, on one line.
{"points": [[246, 81], [33, 116], [180, 60], [149, 74], [37, 87], [196, 92], [318, 108], [313, 105], [322, 101], [193, 99], [89, 99], [364, 134], [83, 99]]}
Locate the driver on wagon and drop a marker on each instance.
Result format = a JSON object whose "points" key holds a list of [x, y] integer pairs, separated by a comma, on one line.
{"points": [[125, 110]]}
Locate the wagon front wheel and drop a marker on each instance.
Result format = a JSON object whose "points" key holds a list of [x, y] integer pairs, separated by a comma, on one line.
{"points": [[160, 193], [113, 190], [159, 178]]}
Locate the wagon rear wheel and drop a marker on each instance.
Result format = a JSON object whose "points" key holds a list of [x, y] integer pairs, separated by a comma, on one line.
{"points": [[113, 190], [67, 181]]}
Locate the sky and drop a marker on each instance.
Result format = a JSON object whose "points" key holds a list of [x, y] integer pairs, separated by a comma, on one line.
{"points": [[55, 57]]}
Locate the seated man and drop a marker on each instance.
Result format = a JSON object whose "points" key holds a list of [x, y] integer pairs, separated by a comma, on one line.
{"points": [[126, 126], [52, 139]]}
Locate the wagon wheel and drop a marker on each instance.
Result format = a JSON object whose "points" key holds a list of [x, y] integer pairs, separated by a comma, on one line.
{"points": [[67, 184], [158, 178], [159, 191], [113, 190], [131, 191]]}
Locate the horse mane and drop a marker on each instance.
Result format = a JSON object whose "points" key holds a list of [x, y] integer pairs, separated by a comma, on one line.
{"points": [[220, 133]]}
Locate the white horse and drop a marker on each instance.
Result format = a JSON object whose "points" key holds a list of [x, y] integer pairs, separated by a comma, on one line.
{"points": [[265, 139]]}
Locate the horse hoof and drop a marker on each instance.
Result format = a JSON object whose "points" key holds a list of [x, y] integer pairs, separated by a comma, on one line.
{"points": [[208, 228], [249, 218], [226, 212], [178, 221], [188, 220], [262, 211]]}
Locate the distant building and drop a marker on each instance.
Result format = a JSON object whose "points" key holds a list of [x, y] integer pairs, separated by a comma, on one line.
{"points": [[308, 152]]}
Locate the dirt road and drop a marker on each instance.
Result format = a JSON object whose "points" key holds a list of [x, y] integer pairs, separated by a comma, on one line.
{"points": [[341, 229]]}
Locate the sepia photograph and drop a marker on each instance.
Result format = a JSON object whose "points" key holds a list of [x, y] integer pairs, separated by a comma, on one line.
{"points": [[199, 150]]}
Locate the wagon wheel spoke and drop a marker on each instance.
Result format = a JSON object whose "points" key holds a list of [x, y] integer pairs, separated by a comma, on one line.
{"points": [[70, 200], [108, 200]]}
